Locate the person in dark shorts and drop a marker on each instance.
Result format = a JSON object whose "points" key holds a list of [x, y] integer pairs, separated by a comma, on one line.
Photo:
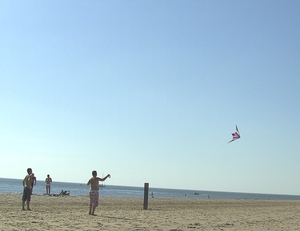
{"points": [[27, 184]]}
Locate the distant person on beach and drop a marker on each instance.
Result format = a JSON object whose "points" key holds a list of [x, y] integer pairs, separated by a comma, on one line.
{"points": [[27, 184], [33, 182], [62, 193], [48, 182], [94, 191]]}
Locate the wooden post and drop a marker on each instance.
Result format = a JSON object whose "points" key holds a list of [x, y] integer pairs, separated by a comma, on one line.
{"points": [[146, 193]]}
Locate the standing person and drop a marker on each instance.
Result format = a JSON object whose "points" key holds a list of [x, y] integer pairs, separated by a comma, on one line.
{"points": [[94, 191], [33, 182], [48, 181], [27, 182]]}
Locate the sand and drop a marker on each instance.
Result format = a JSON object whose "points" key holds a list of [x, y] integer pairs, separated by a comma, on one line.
{"points": [[71, 213]]}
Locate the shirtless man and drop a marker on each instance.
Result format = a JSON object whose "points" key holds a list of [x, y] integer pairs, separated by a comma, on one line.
{"points": [[94, 191], [27, 182], [48, 181]]}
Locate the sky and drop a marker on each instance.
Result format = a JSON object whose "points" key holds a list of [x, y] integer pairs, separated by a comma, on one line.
{"points": [[150, 91]]}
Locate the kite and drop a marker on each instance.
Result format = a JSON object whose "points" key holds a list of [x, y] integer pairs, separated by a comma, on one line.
{"points": [[235, 135]]}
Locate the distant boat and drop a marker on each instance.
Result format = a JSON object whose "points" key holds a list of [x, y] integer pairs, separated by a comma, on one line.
{"points": [[102, 185], [195, 193]]}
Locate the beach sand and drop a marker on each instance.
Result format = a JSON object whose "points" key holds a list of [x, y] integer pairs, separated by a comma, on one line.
{"points": [[71, 213]]}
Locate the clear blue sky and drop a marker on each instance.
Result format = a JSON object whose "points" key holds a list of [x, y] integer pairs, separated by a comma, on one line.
{"points": [[150, 91]]}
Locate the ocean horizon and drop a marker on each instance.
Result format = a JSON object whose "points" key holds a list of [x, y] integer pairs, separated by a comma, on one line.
{"points": [[14, 186]]}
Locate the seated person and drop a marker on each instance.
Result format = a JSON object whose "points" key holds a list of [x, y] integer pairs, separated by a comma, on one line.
{"points": [[64, 192]]}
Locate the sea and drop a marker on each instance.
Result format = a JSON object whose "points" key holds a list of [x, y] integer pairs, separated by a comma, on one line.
{"points": [[14, 186]]}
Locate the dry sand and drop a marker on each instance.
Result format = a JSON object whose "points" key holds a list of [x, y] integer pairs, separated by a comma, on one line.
{"points": [[71, 213]]}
